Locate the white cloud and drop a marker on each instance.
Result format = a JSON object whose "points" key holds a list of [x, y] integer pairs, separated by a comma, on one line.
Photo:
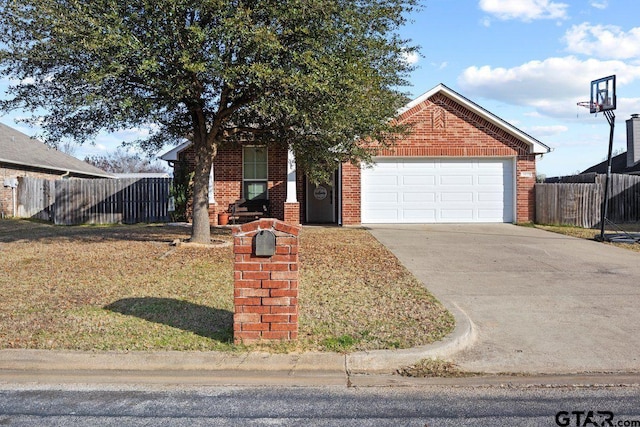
{"points": [[602, 4], [524, 10], [603, 41], [552, 86], [411, 57]]}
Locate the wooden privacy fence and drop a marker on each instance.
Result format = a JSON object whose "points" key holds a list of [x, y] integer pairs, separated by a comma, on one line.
{"points": [[579, 203], [94, 201]]}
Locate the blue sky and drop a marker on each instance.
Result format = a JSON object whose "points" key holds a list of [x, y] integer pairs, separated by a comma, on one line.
{"points": [[527, 61]]}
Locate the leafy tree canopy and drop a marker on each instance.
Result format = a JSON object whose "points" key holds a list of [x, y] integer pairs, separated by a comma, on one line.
{"points": [[316, 75]]}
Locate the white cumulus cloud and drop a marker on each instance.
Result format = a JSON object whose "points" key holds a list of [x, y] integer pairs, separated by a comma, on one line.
{"points": [[603, 41], [552, 86], [524, 10], [411, 57], [602, 4]]}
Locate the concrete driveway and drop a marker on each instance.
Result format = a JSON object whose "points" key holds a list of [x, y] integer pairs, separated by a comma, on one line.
{"points": [[541, 302]]}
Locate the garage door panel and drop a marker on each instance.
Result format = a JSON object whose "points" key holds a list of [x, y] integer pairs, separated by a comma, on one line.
{"points": [[384, 180], [456, 180], [456, 214], [384, 216], [422, 215], [489, 197], [438, 190], [497, 180], [447, 164], [416, 164], [419, 180], [418, 197], [387, 197], [456, 197]]}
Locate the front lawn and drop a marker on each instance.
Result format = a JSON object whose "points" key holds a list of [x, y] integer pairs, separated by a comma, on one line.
{"points": [[125, 288]]}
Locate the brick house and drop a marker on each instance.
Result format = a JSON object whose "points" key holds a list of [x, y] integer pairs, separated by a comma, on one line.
{"points": [[23, 156], [460, 163]]}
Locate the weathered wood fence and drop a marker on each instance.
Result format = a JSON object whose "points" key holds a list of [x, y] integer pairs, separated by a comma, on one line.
{"points": [[576, 202], [94, 201]]}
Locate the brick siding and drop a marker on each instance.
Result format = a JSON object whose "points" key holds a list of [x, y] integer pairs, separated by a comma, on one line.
{"points": [[265, 288]]}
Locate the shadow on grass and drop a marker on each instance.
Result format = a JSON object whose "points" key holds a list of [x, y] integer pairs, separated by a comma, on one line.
{"points": [[207, 322], [14, 230]]}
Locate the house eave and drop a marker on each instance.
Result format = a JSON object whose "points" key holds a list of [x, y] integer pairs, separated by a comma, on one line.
{"points": [[54, 169]]}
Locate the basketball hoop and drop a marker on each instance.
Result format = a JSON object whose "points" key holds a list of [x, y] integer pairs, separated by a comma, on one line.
{"points": [[592, 106]]}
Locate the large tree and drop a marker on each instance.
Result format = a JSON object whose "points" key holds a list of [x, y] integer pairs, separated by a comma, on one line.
{"points": [[318, 76]]}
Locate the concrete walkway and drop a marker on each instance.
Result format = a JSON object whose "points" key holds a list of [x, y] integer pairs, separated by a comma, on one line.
{"points": [[540, 302]]}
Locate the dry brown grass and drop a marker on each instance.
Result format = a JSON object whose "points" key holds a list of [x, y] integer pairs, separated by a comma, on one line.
{"points": [[590, 234], [125, 288]]}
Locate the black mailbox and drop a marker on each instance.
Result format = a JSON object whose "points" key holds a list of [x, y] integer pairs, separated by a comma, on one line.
{"points": [[265, 242]]}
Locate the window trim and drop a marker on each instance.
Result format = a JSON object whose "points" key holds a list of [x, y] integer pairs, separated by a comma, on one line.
{"points": [[246, 180]]}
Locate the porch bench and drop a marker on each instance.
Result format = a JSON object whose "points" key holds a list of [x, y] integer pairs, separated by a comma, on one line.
{"points": [[248, 209]]}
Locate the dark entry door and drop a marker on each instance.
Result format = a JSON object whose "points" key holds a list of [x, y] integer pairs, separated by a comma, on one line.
{"points": [[321, 203]]}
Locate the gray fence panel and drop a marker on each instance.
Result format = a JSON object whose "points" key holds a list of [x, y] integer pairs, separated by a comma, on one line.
{"points": [[35, 198], [580, 204], [95, 201]]}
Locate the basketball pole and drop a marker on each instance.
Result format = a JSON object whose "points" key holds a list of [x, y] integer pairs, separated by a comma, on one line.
{"points": [[611, 118]]}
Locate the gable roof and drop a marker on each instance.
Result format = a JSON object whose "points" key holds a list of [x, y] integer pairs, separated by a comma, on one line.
{"points": [[536, 147], [172, 155], [19, 149]]}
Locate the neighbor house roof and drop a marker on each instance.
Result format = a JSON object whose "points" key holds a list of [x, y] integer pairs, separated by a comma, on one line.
{"points": [[19, 149], [536, 147], [618, 165]]}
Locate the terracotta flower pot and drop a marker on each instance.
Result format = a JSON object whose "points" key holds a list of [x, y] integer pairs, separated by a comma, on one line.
{"points": [[223, 218]]}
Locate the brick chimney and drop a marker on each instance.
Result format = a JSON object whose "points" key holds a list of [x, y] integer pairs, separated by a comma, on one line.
{"points": [[633, 140]]}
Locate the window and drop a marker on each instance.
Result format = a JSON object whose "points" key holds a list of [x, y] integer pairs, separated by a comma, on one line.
{"points": [[254, 172]]}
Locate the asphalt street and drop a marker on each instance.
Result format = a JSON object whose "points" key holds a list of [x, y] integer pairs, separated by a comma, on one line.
{"points": [[326, 406]]}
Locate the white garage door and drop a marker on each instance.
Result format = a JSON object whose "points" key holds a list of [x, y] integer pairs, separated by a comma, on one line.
{"points": [[438, 190]]}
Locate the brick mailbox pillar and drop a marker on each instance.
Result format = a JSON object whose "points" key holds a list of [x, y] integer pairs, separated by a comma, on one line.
{"points": [[265, 281]]}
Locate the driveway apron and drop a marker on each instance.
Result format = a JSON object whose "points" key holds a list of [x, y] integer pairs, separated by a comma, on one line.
{"points": [[541, 302]]}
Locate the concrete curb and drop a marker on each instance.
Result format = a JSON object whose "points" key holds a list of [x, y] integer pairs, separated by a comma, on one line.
{"points": [[388, 361], [40, 360]]}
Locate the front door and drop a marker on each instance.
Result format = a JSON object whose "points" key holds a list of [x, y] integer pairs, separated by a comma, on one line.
{"points": [[321, 204]]}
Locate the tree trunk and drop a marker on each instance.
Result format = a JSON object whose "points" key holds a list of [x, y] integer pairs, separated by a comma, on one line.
{"points": [[201, 230]]}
